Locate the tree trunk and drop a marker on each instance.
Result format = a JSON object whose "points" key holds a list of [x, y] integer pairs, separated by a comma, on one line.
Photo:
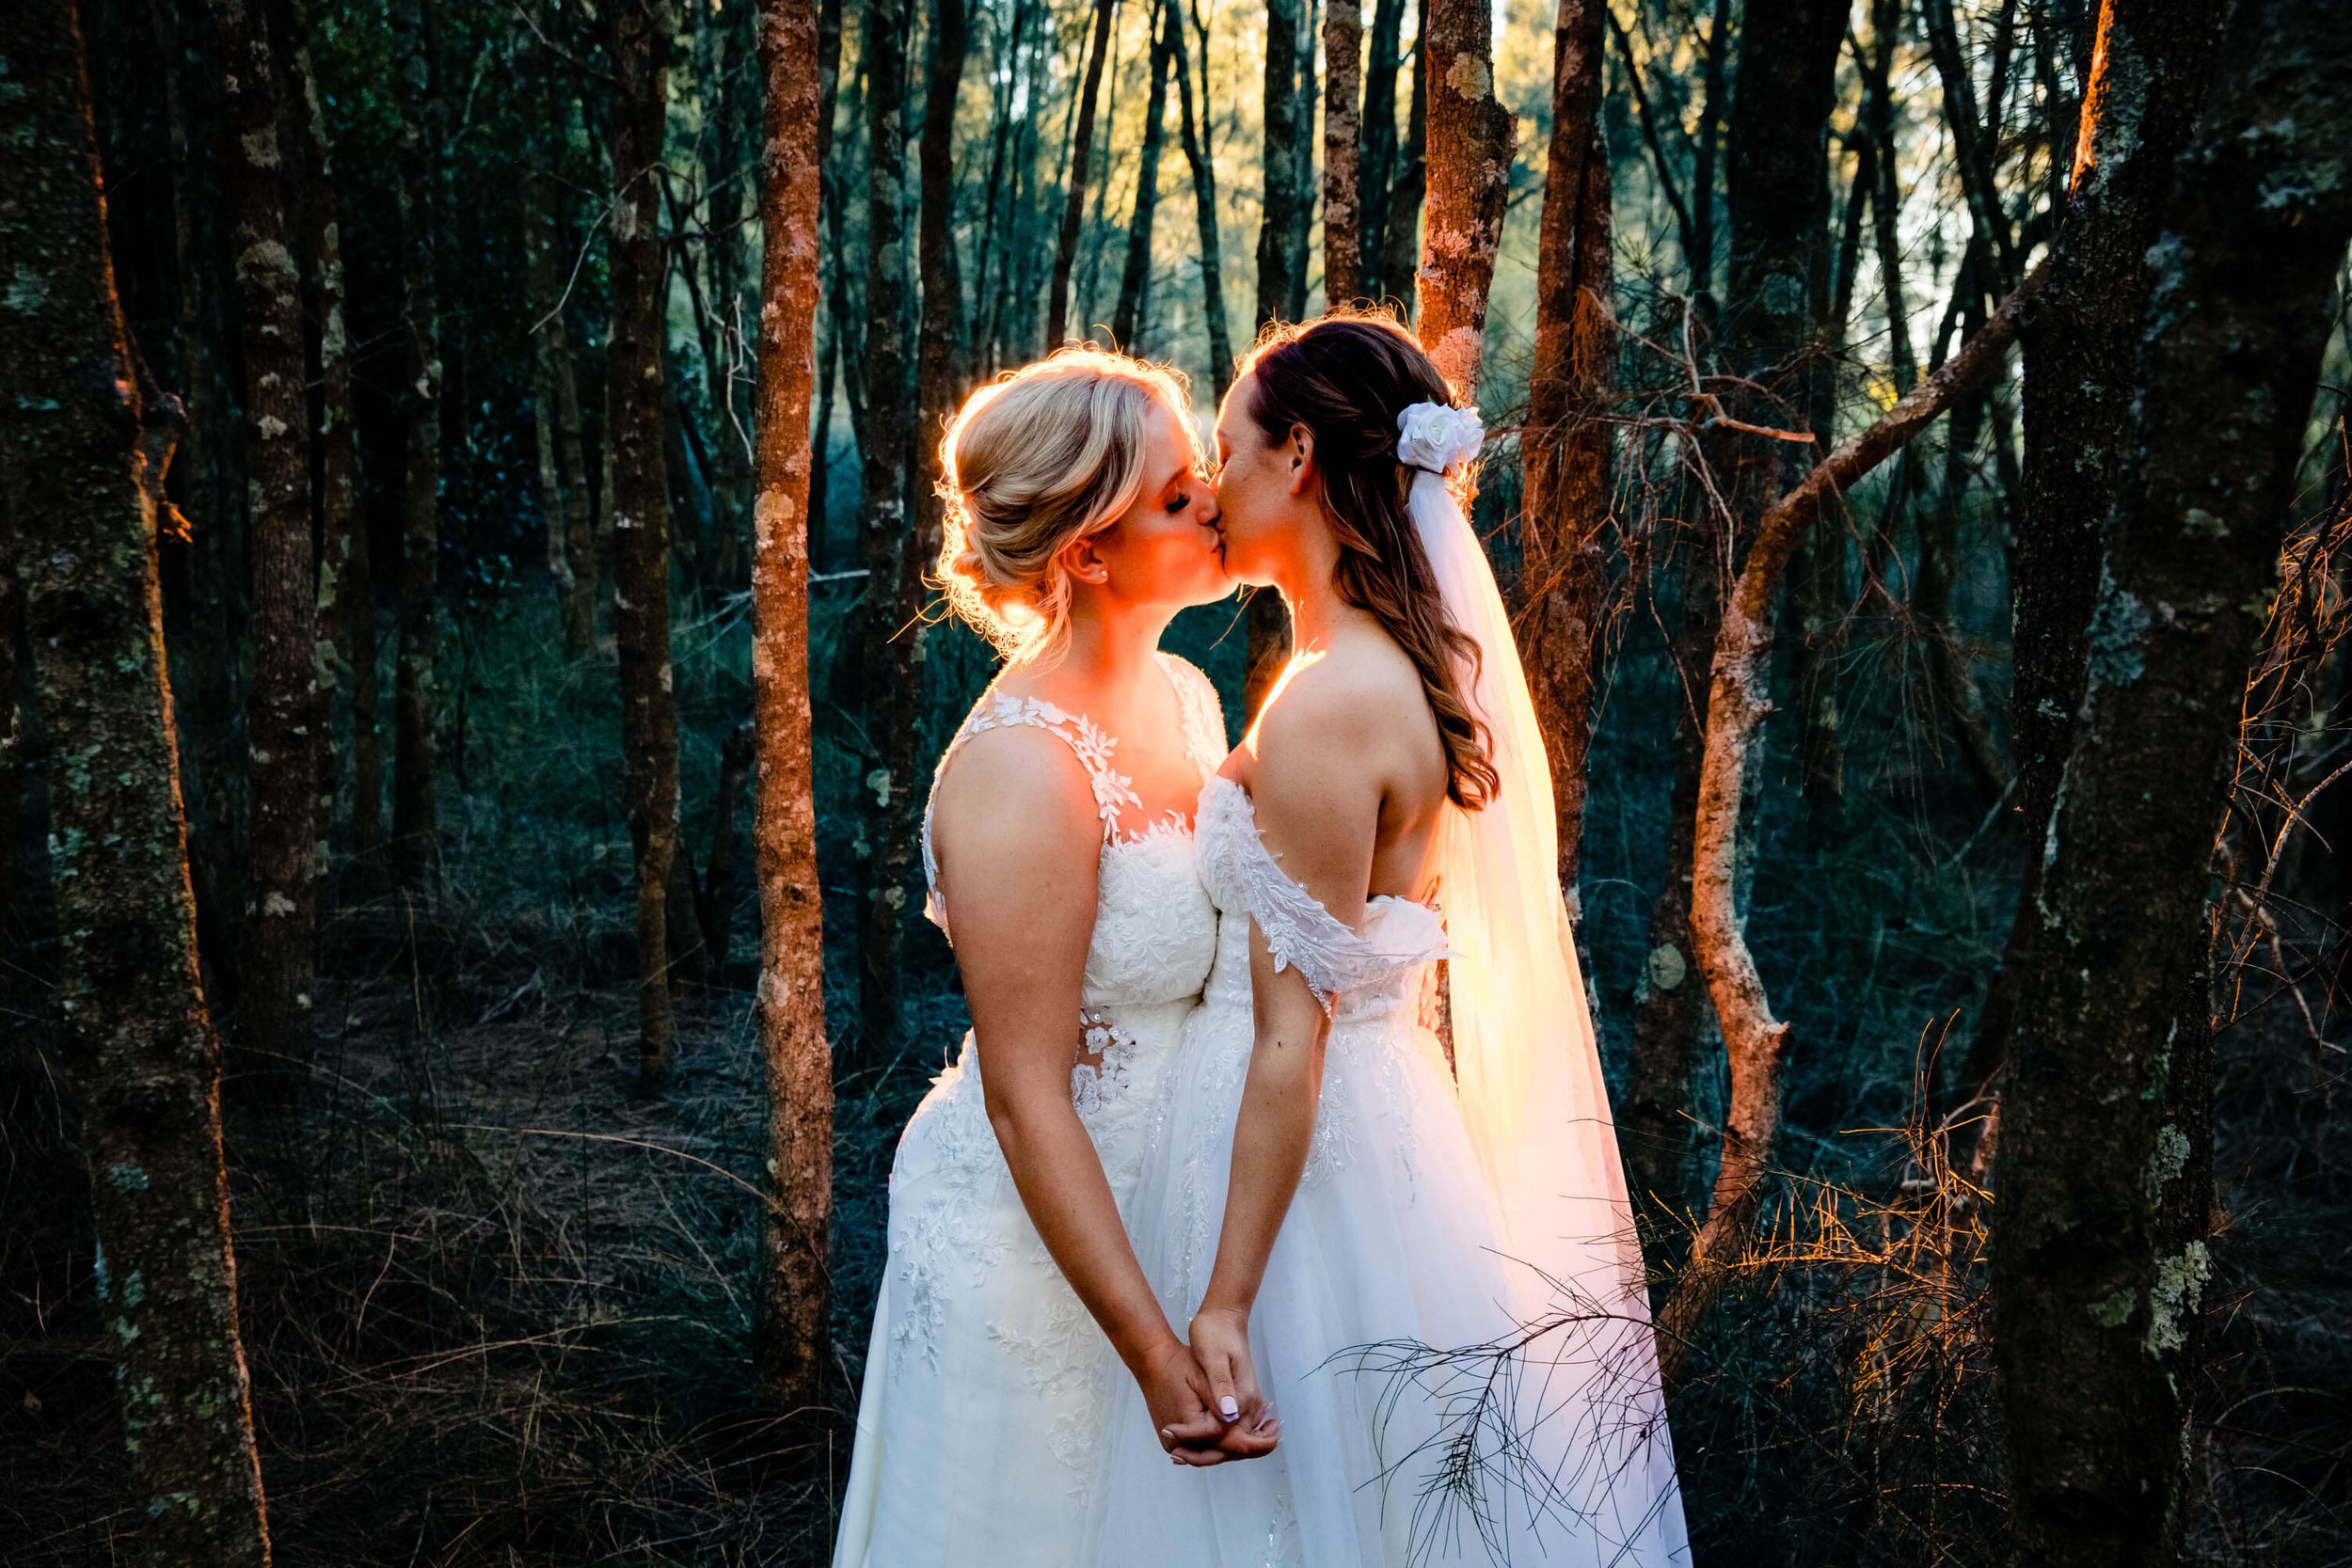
{"points": [[84, 480], [1714, 100], [1565, 447], [885, 546], [1204, 211], [563, 462], [716, 905], [415, 834], [1303, 153], [1280, 260], [639, 42], [281, 722], [1400, 238], [2106, 1146], [1756, 1043], [1136, 277], [1471, 140], [1377, 172], [341, 529], [1343, 92], [1081, 152], [2081, 348], [790, 1340]]}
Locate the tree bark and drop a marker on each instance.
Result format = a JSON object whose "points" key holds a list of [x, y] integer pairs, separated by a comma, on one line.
{"points": [[1136, 277], [638, 41], [790, 1338], [1756, 1043], [1081, 152], [2106, 1191], [416, 853], [282, 720], [1471, 140], [82, 468], [1342, 128], [885, 546], [2147, 79], [563, 462], [1565, 447], [1203, 166], [339, 525]]}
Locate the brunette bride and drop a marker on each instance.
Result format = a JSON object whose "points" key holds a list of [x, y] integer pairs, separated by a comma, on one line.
{"points": [[1059, 856], [1417, 1247]]}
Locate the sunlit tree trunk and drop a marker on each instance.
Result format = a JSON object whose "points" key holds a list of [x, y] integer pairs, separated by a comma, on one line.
{"points": [[83, 468], [1564, 450], [886, 445], [2146, 82], [2100, 1253], [638, 42], [1342, 128], [415, 833], [1081, 154], [794, 1280], [282, 720], [1472, 138]]}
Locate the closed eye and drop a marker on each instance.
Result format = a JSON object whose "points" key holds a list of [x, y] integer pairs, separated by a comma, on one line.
{"points": [[1179, 502]]}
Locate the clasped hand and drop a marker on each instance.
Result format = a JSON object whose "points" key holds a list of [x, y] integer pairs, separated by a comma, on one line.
{"points": [[1203, 1397]]}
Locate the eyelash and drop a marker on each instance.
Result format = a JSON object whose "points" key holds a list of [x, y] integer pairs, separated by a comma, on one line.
{"points": [[1179, 503]]}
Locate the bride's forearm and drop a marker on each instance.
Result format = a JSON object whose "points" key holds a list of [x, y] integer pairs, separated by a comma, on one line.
{"points": [[1271, 1137], [1060, 1177]]}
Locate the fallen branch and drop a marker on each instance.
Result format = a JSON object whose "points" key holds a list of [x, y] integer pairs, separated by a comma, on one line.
{"points": [[1756, 1043]]}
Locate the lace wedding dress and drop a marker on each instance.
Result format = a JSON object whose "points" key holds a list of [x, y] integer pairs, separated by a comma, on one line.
{"points": [[1416, 1427], [980, 1428]]}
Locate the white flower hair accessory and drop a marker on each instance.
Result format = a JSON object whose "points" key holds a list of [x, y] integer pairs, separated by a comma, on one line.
{"points": [[1437, 436]]}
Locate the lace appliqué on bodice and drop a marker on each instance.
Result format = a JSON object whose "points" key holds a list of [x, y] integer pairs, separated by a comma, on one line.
{"points": [[1332, 958]]}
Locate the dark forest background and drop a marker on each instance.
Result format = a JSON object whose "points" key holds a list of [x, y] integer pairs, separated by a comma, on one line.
{"points": [[501, 1147]]}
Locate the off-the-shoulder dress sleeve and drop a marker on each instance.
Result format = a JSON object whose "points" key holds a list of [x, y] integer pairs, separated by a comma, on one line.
{"points": [[1329, 956], [1203, 714]]}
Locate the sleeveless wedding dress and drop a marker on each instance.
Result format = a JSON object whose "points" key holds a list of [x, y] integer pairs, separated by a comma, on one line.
{"points": [[987, 1385], [1390, 1454]]}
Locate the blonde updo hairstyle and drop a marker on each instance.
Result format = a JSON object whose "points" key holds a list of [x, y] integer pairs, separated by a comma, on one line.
{"points": [[1048, 453]]}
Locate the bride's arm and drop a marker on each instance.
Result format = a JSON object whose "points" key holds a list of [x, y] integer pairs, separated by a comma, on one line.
{"points": [[1318, 810], [1019, 846]]}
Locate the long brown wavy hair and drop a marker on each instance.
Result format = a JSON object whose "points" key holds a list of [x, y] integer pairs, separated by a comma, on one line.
{"points": [[1346, 379]]}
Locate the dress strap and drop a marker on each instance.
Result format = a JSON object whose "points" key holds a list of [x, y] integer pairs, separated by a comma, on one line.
{"points": [[1201, 712], [1113, 791]]}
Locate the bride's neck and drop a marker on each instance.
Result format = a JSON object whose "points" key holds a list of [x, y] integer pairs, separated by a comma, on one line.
{"points": [[1306, 585], [1110, 649]]}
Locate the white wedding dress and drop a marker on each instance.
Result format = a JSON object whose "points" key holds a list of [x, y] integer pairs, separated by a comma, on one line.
{"points": [[1388, 1455], [981, 1427]]}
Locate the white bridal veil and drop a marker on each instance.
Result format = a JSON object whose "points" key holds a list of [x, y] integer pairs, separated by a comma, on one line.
{"points": [[1526, 1066]]}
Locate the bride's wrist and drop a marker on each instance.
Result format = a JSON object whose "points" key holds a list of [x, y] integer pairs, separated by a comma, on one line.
{"points": [[1235, 1312], [1142, 1352]]}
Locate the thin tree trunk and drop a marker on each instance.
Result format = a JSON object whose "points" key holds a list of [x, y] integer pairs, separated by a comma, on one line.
{"points": [[1303, 152], [885, 545], [1377, 174], [546, 293], [1343, 92], [339, 525], [716, 904], [2147, 79], [84, 465], [639, 43], [1713, 106], [1279, 259], [1081, 152], [1400, 238], [1756, 1043], [367, 728], [1136, 275], [790, 1341], [1473, 139], [415, 834], [1970, 133], [1565, 447], [2106, 1186], [1204, 210], [281, 722]]}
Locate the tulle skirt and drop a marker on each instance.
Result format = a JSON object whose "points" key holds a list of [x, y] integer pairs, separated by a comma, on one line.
{"points": [[1418, 1424]]}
